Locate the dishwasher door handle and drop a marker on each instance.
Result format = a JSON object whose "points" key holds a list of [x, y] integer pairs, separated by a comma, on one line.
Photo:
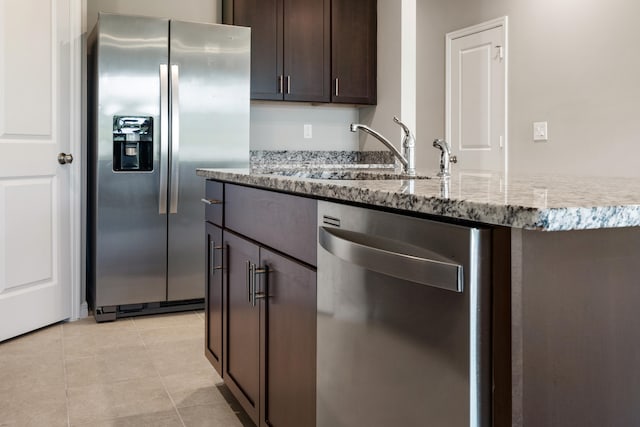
{"points": [[381, 255]]}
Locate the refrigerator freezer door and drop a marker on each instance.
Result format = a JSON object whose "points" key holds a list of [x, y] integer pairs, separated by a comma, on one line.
{"points": [[213, 112], [130, 230]]}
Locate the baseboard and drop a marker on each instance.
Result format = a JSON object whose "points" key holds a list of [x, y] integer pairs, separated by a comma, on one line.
{"points": [[84, 310]]}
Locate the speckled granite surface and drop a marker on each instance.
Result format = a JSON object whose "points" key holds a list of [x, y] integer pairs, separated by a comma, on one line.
{"points": [[296, 159], [550, 203], [343, 172]]}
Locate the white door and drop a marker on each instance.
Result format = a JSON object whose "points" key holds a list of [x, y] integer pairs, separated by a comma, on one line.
{"points": [[476, 96], [35, 261]]}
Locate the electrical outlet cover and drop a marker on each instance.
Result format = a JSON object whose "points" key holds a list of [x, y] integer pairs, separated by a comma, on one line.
{"points": [[540, 132]]}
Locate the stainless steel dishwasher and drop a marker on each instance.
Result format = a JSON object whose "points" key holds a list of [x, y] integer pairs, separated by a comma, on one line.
{"points": [[403, 321]]}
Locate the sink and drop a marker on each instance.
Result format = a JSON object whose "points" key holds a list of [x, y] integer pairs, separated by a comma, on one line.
{"points": [[341, 173]]}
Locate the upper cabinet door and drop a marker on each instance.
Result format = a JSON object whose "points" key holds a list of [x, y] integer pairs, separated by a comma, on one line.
{"points": [[307, 50], [265, 19], [354, 46]]}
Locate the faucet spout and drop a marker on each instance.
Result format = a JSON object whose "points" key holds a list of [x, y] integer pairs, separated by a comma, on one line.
{"points": [[445, 156], [407, 157], [356, 126]]}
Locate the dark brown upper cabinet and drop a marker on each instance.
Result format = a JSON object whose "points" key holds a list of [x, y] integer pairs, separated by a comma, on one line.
{"points": [[310, 50], [290, 47], [354, 51], [266, 21]]}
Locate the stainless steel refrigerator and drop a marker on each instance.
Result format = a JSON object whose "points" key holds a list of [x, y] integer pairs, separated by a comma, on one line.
{"points": [[165, 97]]}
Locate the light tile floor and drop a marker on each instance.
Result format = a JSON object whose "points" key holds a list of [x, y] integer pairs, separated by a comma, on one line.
{"points": [[139, 371]]}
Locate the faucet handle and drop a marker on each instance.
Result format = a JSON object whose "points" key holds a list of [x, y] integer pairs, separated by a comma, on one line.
{"points": [[409, 140], [445, 157], [404, 127], [442, 145]]}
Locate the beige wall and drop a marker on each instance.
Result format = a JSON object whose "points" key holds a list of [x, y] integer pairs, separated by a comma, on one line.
{"points": [[571, 63]]}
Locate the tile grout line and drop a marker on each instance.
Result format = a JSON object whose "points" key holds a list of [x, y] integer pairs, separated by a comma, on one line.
{"points": [[175, 407]]}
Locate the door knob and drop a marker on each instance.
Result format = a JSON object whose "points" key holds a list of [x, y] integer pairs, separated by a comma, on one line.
{"points": [[64, 159]]}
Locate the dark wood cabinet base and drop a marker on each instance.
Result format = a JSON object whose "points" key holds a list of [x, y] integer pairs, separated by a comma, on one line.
{"points": [[310, 50], [261, 303]]}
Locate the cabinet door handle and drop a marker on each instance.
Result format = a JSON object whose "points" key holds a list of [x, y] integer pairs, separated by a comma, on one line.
{"points": [[255, 294], [288, 84], [249, 268], [337, 87], [212, 250], [280, 84], [252, 290]]}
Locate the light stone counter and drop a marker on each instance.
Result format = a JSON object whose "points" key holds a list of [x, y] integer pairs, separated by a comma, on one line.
{"points": [[542, 202]]}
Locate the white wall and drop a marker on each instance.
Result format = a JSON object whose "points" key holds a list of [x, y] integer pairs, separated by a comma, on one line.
{"points": [[573, 63], [389, 94], [280, 126], [192, 10]]}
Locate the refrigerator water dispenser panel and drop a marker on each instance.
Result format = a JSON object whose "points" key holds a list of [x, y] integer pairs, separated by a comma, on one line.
{"points": [[132, 143]]}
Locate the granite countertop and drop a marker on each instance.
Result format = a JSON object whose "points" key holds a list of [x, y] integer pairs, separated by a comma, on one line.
{"points": [[533, 202]]}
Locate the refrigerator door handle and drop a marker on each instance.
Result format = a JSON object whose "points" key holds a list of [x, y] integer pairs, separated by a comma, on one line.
{"points": [[175, 139], [164, 138]]}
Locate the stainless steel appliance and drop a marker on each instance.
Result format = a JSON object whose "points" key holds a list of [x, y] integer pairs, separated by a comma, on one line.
{"points": [[403, 321], [165, 97]]}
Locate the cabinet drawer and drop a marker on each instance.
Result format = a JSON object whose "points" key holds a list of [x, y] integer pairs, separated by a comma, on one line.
{"points": [[283, 222], [214, 199]]}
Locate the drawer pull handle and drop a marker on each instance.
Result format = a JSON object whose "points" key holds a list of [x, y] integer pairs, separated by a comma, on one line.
{"points": [[211, 201]]}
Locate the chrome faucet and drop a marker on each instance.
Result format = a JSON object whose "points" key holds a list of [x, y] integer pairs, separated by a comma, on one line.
{"points": [[445, 157], [408, 156]]}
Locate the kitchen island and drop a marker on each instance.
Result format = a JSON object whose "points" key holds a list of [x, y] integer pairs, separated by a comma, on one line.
{"points": [[565, 335]]}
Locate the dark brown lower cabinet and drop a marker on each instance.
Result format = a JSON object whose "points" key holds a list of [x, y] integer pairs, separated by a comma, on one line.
{"points": [[270, 340], [289, 325], [214, 297], [242, 338]]}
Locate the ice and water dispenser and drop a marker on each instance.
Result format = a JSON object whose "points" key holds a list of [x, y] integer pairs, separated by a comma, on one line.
{"points": [[132, 143]]}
